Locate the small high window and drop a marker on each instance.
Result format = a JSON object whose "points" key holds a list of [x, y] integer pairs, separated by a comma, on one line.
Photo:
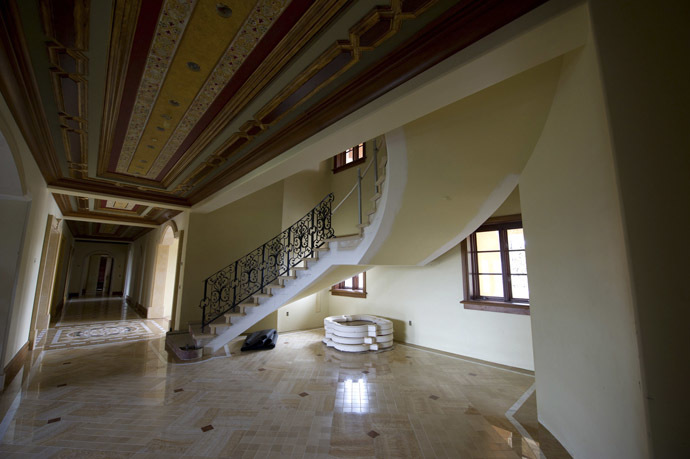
{"points": [[355, 286], [348, 158], [496, 267]]}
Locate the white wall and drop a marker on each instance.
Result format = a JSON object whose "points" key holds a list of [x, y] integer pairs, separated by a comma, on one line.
{"points": [[583, 324], [643, 48], [303, 314], [430, 296], [42, 205], [80, 264], [14, 213]]}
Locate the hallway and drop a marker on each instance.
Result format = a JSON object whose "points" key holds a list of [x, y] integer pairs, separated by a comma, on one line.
{"points": [[299, 400], [99, 320]]}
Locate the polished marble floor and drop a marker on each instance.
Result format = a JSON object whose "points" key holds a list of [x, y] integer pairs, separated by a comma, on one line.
{"points": [[301, 399]]}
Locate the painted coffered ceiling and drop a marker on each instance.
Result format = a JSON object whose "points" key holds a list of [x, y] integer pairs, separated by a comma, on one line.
{"points": [[138, 109]]}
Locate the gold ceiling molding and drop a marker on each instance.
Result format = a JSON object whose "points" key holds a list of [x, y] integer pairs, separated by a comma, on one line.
{"points": [[125, 14], [68, 39], [371, 31], [316, 17]]}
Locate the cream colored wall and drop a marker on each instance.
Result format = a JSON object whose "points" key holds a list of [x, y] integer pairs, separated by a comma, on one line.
{"points": [[511, 206], [643, 48], [218, 238], [14, 213], [583, 324], [459, 156], [143, 263], [346, 218], [303, 314], [83, 250], [303, 191], [42, 205], [430, 296]]}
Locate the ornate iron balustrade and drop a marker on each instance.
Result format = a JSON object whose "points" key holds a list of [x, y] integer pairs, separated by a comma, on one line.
{"points": [[237, 282]]}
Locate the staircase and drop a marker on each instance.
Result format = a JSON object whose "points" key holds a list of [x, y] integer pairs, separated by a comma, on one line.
{"points": [[244, 292]]}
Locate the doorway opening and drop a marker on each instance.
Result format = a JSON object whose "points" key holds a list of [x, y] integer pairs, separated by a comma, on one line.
{"points": [[166, 272]]}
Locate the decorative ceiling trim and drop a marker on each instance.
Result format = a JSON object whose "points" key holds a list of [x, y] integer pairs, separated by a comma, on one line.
{"points": [[262, 65], [107, 190], [461, 26], [372, 30], [67, 30], [125, 15], [20, 90]]}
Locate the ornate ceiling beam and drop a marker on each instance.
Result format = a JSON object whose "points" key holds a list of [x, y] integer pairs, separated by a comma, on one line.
{"points": [[109, 220], [73, 190]]}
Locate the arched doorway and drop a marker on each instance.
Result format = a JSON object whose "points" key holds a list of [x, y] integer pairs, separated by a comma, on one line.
{"points": [[166, 272], [96, 274]]}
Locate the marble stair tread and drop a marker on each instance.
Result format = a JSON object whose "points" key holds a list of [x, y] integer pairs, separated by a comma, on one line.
{"points": [[289, 276]]}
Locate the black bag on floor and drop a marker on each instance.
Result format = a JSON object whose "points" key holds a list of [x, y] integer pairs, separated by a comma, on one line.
{"points": [[263, 339]]}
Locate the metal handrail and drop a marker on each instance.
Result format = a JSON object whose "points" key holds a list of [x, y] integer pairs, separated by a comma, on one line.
{"points": [[225, 289], [358, 184]]}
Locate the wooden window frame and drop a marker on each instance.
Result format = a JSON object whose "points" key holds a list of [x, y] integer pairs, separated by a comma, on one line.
{"points": [[473, 300], [339, 159], [339, 289]]}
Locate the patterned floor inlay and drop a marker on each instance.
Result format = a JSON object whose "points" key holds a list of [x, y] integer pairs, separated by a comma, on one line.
{"points": [[102, 333], [123, 399]]}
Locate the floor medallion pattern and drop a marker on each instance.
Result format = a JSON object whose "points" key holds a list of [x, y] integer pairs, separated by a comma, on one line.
{"points": [[103, 333]]}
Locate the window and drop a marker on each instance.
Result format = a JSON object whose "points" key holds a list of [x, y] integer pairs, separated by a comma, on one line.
{"points": [[496, 267], [348, 158], [355, 286]]}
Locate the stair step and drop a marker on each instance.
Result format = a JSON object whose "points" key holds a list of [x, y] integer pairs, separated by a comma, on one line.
{"points": [[215, 328], [362, 225], [383, 161], [371, 212], [300, 267], [272, 286], [322, 249], [262, 295], [234, 314], [197, 334], [291, 276], [381, 179], [346, 237], [250, 305], [310, 258], [375, 197]]}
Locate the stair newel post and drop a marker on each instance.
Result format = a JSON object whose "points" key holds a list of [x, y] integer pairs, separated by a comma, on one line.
{"points": [[359, 193], [311, 233], [203, 309], [288, 249], [376, 167], [262, 267], [236, 284]]}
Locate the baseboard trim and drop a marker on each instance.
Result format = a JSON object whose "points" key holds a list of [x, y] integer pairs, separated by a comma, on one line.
{"points": [[14, 365], [469, 359], [139, 308]]}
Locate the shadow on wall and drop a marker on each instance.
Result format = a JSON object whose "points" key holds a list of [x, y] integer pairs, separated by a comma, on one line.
{"points": [[399, 329]]}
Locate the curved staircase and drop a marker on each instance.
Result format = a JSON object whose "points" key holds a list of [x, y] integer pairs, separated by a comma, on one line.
{"points": [[246, 291]]}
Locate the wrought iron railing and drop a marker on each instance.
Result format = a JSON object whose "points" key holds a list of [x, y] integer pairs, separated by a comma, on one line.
{"points": [[239, 281]]}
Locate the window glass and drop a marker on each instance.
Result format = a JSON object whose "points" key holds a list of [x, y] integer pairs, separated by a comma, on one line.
{"points": [[516, 239], [491, 285], [348, 282], [518, 264], [487, 240], [519, 286], [489, 262]]}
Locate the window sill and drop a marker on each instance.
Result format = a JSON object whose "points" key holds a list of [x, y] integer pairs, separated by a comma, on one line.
{"points": [[497, 306], [350, 293], [349, 165]]}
